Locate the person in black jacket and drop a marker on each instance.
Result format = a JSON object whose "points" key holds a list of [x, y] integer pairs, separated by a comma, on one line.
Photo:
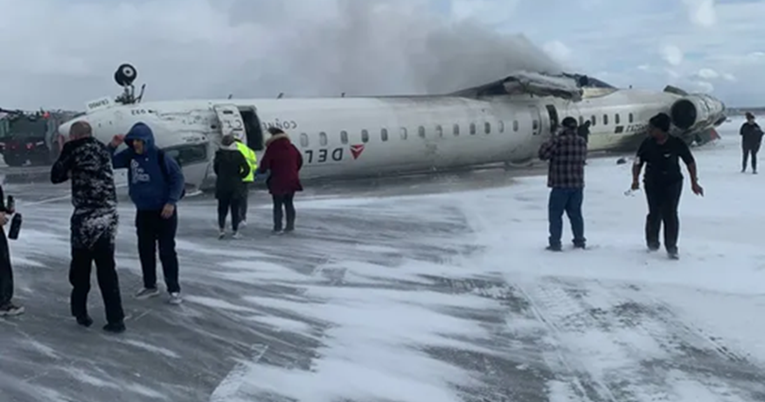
{"points": [[88, 163], [7, 307], [584, 131], [663, 181], [230, 168], [751, 138]]}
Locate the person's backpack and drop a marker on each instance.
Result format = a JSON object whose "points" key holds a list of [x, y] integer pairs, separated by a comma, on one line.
{"points": [[161, 160]]}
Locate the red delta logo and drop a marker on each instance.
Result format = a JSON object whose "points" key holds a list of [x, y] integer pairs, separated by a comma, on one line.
{"points": [[356, 150]]}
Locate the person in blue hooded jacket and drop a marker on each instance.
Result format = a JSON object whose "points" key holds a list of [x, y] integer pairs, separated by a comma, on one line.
{"points": [[155, 190]]}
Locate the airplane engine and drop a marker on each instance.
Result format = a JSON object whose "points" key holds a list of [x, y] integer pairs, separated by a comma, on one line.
{"points": [[697, 111]]}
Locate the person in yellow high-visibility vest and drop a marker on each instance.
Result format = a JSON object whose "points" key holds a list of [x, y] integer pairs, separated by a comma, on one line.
{"points": [[252, 160]]}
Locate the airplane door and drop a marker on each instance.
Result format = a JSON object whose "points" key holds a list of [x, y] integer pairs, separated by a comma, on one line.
{"points": [[536, 120], [231, 122]]}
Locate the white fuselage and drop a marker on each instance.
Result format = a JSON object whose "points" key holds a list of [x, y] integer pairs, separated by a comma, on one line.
{"points": [[351, 137]]}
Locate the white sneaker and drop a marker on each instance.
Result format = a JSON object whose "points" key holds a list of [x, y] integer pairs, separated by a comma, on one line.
{"points": [[146, 293], [175, 298], [243, 223], [236, 235], [221, 235]]}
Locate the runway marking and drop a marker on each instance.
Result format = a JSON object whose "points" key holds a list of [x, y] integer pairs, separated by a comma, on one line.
{"points": [[228, 388]]}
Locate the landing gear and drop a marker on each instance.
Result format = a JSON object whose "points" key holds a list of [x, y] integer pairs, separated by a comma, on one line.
{"points": [[124, 77]]}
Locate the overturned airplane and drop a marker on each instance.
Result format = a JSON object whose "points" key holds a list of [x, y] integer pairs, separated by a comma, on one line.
{"points": [[501, 122]]}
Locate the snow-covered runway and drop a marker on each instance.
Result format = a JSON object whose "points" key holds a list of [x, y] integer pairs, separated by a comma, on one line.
{"points": [[438, 296]]}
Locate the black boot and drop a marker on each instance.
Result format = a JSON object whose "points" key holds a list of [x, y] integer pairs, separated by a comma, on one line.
{"points": [[85, 321], [115, 327]]}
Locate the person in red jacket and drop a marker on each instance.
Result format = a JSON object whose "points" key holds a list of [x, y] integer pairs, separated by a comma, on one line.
{"points": [[283, 160]]}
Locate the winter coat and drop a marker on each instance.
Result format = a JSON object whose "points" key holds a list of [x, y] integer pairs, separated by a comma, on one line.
{"points": [[284, 161], [149, 187], [87, 162], [231, 168], [751, 135]]}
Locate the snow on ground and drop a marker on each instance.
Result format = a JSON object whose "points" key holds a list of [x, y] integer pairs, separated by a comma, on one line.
{"points": [[442, 297]]}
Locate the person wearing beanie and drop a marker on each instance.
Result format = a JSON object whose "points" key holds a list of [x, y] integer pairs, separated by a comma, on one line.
{"points": [[751, 138], [663, 181], [566, 153]]}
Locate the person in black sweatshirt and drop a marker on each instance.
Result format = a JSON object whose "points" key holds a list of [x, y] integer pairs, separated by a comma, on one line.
{"points": [[663, 181], [751, 138], [7, 307], [230, 168], [88, 163]]}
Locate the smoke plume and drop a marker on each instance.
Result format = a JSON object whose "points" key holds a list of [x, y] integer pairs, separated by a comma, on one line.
{"points": [[376, 47]]}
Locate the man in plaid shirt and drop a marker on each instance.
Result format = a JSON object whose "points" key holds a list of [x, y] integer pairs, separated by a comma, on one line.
{"points": [[567, 153]]}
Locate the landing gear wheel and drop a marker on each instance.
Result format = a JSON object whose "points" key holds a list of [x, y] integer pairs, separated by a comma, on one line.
{"points": [[125, 75], [13, 161]]}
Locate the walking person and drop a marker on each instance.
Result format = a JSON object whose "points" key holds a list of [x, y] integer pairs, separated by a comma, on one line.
{"points": [[156, 184], [87, 162], [751, 139], [584, 131], [7, 307], [252, 160], [284, 161], [663, 182], [566, 153], [231, 168]]}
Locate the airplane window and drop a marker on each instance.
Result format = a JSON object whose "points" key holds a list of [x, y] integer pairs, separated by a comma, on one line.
{"points": [[304, 140], [188, 154], [501, 126], [472, 128], [616, 118], [364, 136], [323, 139], [593, 120], [456, 129], [487, 128], [384, 134], [605, 119], [536, 124], [344, 137], [440, 131], [515, 125], [630, 117], [421, 131], [403, 133]]}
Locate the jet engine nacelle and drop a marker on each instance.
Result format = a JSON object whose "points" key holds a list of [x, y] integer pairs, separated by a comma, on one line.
{"points": [[697, 111]]}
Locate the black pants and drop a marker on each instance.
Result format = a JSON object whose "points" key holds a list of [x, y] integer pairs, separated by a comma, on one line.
{"points": [[750, 150], [663, 200], [284, 201], [153, 229], [102, 253], [243, 202], [6, 271], [232, 203]]}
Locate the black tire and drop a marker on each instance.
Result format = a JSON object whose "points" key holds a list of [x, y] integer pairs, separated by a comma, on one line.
{"points": [[13, 161], [125, 75]]}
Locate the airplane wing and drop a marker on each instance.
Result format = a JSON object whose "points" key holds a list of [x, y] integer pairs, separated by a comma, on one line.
{"points": [[563, 86]]}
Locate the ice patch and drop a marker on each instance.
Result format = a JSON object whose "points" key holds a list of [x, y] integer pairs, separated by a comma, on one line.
{"points": [[218, 304], [283, 324], [259, 270], [152, 348]]}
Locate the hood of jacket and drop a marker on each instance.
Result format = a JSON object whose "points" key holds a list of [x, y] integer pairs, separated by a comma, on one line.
{"points": [[140, 131], [277, 137]]}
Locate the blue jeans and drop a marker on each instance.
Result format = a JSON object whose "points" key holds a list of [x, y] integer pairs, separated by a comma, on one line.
{"points": [[570, 201]]}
